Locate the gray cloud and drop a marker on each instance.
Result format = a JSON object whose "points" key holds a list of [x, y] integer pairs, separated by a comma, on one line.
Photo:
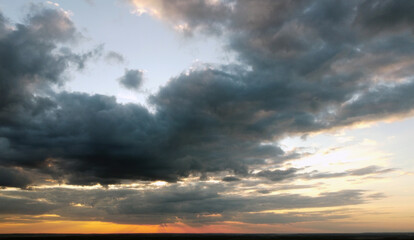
{"points": [[192, 15], [378, 16], [192, 204], [49, 25], [278, 175], [14, 178], [353, 172], [230, 179], [295, 173], [132, 79], [28, 62], [299, 72], [11, 205], [114, 57], [273, 218]]}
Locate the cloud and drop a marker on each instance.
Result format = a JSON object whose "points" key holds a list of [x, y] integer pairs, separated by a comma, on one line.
{"points": [[186, 16], [14, 178], [32, 62], [230, 179], [190, 204], [370, 170], [295, 173], [378, 16], [11, 205], [278, 175], [132, 79], [274, 218], [299, 72], [114, 57]]}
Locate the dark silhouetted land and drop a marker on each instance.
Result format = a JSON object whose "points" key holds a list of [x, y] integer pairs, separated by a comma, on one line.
{"points": [[360, 236]]}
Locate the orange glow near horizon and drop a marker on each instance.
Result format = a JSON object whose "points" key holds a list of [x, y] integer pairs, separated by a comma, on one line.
{"points": [[96, 227], [77, 227], [107, 227]]}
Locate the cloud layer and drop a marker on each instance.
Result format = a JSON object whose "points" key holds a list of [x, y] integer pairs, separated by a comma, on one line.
{"points": [[302, 67], [299, 75], [192, 205]]}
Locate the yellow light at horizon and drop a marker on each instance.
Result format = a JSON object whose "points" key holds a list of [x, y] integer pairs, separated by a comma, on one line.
{"points": [[78, 227]]}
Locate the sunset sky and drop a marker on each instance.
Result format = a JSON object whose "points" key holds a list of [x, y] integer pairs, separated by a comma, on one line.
{"points": [[214, 116]]}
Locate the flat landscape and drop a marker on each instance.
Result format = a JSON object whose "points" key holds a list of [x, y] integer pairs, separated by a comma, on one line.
{"points": [[362, 236]]}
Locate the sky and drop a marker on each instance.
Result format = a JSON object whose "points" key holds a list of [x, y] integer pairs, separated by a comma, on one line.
{"points": [[206, 116]]}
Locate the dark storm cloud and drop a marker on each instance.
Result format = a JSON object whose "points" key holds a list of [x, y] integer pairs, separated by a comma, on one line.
{"points": [[377, 16], [14, 178], [191, 204], [300, 71], [28, 67], [132, 79], [33, 60]]}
